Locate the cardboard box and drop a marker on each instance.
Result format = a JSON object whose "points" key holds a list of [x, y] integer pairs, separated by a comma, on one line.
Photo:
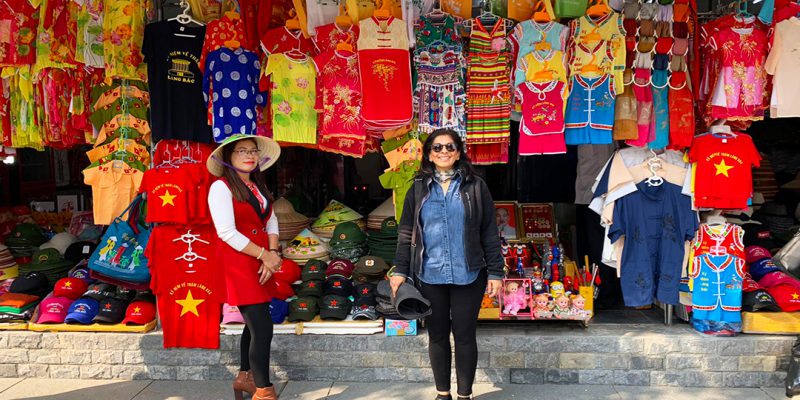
{"points": [[395, 327]]}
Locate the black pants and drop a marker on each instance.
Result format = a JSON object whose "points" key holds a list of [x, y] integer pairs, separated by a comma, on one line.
{"points": [[455, 308], [256, 342]]}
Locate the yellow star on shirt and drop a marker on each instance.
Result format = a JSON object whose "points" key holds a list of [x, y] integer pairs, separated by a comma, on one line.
{"points": [[167, 198], [722, 169], [189, 304], [795, 296]]}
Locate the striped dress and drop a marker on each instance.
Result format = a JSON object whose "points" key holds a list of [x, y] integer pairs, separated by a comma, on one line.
{"points": [[488, 94]]}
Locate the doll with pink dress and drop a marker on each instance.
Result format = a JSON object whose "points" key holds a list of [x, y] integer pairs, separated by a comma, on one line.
{"points": [[514, 298]]}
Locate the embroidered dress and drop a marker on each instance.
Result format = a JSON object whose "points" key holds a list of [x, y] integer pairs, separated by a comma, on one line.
{"points": [[740, 89], [382, 34], [428, 31], [292, 98], [328, 36], [229, 83], [541, 127], [643, 91], [488, 94], [681, 111], [386, 88], [341, 128], [439, 97], [18, 44], [123, 32], [527, 34], [590, 110]]}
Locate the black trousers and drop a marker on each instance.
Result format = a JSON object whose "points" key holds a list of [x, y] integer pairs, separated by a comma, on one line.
{"points": [[455, 309], [256, 342]]}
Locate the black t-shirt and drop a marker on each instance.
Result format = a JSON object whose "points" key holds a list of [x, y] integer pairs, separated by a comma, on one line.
{"points": [[177, 109]]}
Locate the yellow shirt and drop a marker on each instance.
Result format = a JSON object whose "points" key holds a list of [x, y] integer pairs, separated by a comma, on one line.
{"points": [[544, 66], [294, 119], [114, 185], [600, 43], [123, 33]]}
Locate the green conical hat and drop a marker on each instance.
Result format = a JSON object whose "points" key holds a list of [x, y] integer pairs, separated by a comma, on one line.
{"points": [[334, 214]]}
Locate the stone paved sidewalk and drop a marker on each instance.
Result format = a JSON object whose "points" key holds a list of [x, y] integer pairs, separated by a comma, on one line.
{"points": [[68, 389]]}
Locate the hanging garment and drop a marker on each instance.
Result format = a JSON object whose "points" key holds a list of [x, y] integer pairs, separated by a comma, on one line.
{"points": [[717, 293], [784, 63], [428, 31], [590, 110], [386, 34], [114, 185], [341, 127], [542, 66], [625, 112], [328, 36], [229, 84], [661, 108], [57, 35], [681, 111], [719, 241], [655, 222], [89, 50], [166, 189], [282, 40], [292, 98], [541, 127], [439, 96], [740, 90], [643, 91], [18, 44], [222, 32], [723, 177], [600, 42], [527, 34], [413, 12], [123, 31], [386, 87]]}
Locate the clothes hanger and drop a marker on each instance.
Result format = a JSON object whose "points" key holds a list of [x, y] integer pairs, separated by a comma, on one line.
{"points": [[185, 17], [598, 9], [343, 20], [543, 12], [715, 219], [654, 164], [345, 45], [293, 23], [384, 12]]}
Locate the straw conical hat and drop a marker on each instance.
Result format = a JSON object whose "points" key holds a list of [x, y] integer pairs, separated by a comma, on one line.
{"points": [[305, 245], [334, 214], [286, 213], [385, 210]]}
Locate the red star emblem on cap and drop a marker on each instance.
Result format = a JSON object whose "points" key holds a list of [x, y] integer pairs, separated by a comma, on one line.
{"points": [[303, 305], [312, 268], [334, 303], [365, 291], [364, 306], [312, 284], [337, 284], [107, 306]]}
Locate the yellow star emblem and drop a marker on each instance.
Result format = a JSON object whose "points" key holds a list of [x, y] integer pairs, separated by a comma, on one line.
{"points": [[167, 198], [795, 296], [722, 169], [67, 284], [137, 309], [189, 304]]}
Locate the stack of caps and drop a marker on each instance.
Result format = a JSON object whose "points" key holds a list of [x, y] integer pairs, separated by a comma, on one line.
{"points": [[338, 288], [383, 243], [348, 242], [61, 242], [290, 221], [334, 214], [8, 267], [24, 240], [377, 216], [306, 246], [370, 269], [306, 305], [364, 305], [50, 263]]}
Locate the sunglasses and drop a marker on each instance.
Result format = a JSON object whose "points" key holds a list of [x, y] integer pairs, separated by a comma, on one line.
{"points": [[438, 147], [242, 152]]}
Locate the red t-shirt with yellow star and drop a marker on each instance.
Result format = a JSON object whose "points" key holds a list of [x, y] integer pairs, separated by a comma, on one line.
{"points": [[168, 199], [723, 172]]}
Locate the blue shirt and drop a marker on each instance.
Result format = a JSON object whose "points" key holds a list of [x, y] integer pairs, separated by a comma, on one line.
{"points": [[231, 80], [444, 259]]}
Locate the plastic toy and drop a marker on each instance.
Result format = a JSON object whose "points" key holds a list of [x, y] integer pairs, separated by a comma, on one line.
{"points": [[513, 298], [577, 310], [556, 289], [541, 308], [561, 309]]}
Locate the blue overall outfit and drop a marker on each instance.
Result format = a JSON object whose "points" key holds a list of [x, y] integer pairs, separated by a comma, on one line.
{"points": [[717, 293], [590, 110]]}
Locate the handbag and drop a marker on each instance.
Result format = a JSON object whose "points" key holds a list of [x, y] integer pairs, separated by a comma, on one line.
{"points": [[789, 256], [120, 254]]}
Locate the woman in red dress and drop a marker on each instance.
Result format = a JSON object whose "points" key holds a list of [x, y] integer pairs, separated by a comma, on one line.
{"points": [[241, 207]]}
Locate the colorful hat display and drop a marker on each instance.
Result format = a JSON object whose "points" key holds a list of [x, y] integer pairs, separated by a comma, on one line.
{"points": [[376, 217], [268, 155], [71, 288], [290, 222], [763, 267], [334, 214], [141, 311], [111, 311], [306, 246], [756, 253], [787, 297], [82, 311], [8, 266], [53, 310], [50, 263]]}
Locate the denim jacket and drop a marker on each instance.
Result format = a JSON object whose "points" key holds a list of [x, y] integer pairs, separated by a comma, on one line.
{"points": [[444, 260]]}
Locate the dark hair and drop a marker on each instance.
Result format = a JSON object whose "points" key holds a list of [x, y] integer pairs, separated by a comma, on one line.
{"points": [[238, 188], [463, 164]]}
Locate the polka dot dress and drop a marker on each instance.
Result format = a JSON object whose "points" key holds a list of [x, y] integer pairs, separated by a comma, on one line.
{"points": [[230, 82]]}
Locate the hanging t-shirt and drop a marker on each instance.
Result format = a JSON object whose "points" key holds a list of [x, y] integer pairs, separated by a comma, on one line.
{"points": [[114, 185], [723, 175], [328, 36], [167, 193], [230, 82], [176, 86], [292, 98]]}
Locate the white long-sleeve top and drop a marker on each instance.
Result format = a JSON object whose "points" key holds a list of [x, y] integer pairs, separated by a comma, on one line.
{"points": [[220, 202]]}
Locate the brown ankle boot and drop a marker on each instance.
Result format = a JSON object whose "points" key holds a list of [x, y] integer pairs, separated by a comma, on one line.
{"points": [[267, 393], [243, 383]]}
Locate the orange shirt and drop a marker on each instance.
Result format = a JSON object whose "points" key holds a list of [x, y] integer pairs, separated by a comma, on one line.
{"points": [[113, 189]]}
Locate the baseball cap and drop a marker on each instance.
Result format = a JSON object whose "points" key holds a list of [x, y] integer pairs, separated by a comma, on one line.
{"points": [[81, 272], [303, 309], [339, 286], [60, 241], [280, 290], [231, 315], [335, 307], [370, 269], [756, 253], [365, 311], [759, 235], [145, 295], [776, 278], [71, 288], [141, 311], [112, 311], [340, 267], [33, 283], [787, 297], [288, 272], [99, 291], [749, 285], [124, 294], [314, 270], [53, 310], [369, 301], [310, 288], [761, 268], [80, 251], [82, 311], [365, 290], [278, 310], [759, 300]]}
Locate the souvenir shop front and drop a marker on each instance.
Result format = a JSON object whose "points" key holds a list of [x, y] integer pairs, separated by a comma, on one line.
{"points": [[637, 153]]}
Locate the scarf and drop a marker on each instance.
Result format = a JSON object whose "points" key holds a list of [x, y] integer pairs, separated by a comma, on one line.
{"points": [[444, 176]]}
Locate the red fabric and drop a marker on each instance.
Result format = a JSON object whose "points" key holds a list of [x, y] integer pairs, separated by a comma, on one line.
{"points": [[681, 112], [341, 127], [386, 87], [249, 12], [328, 36], [189, 330], [281, 40], [168, 199], [724, 177], [220, 31], [241, 270], [18, 38]]}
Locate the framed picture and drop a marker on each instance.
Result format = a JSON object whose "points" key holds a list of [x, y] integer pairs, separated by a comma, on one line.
{"points": [[505, 213], [43, 206], [537, 221], [68, 202]]}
